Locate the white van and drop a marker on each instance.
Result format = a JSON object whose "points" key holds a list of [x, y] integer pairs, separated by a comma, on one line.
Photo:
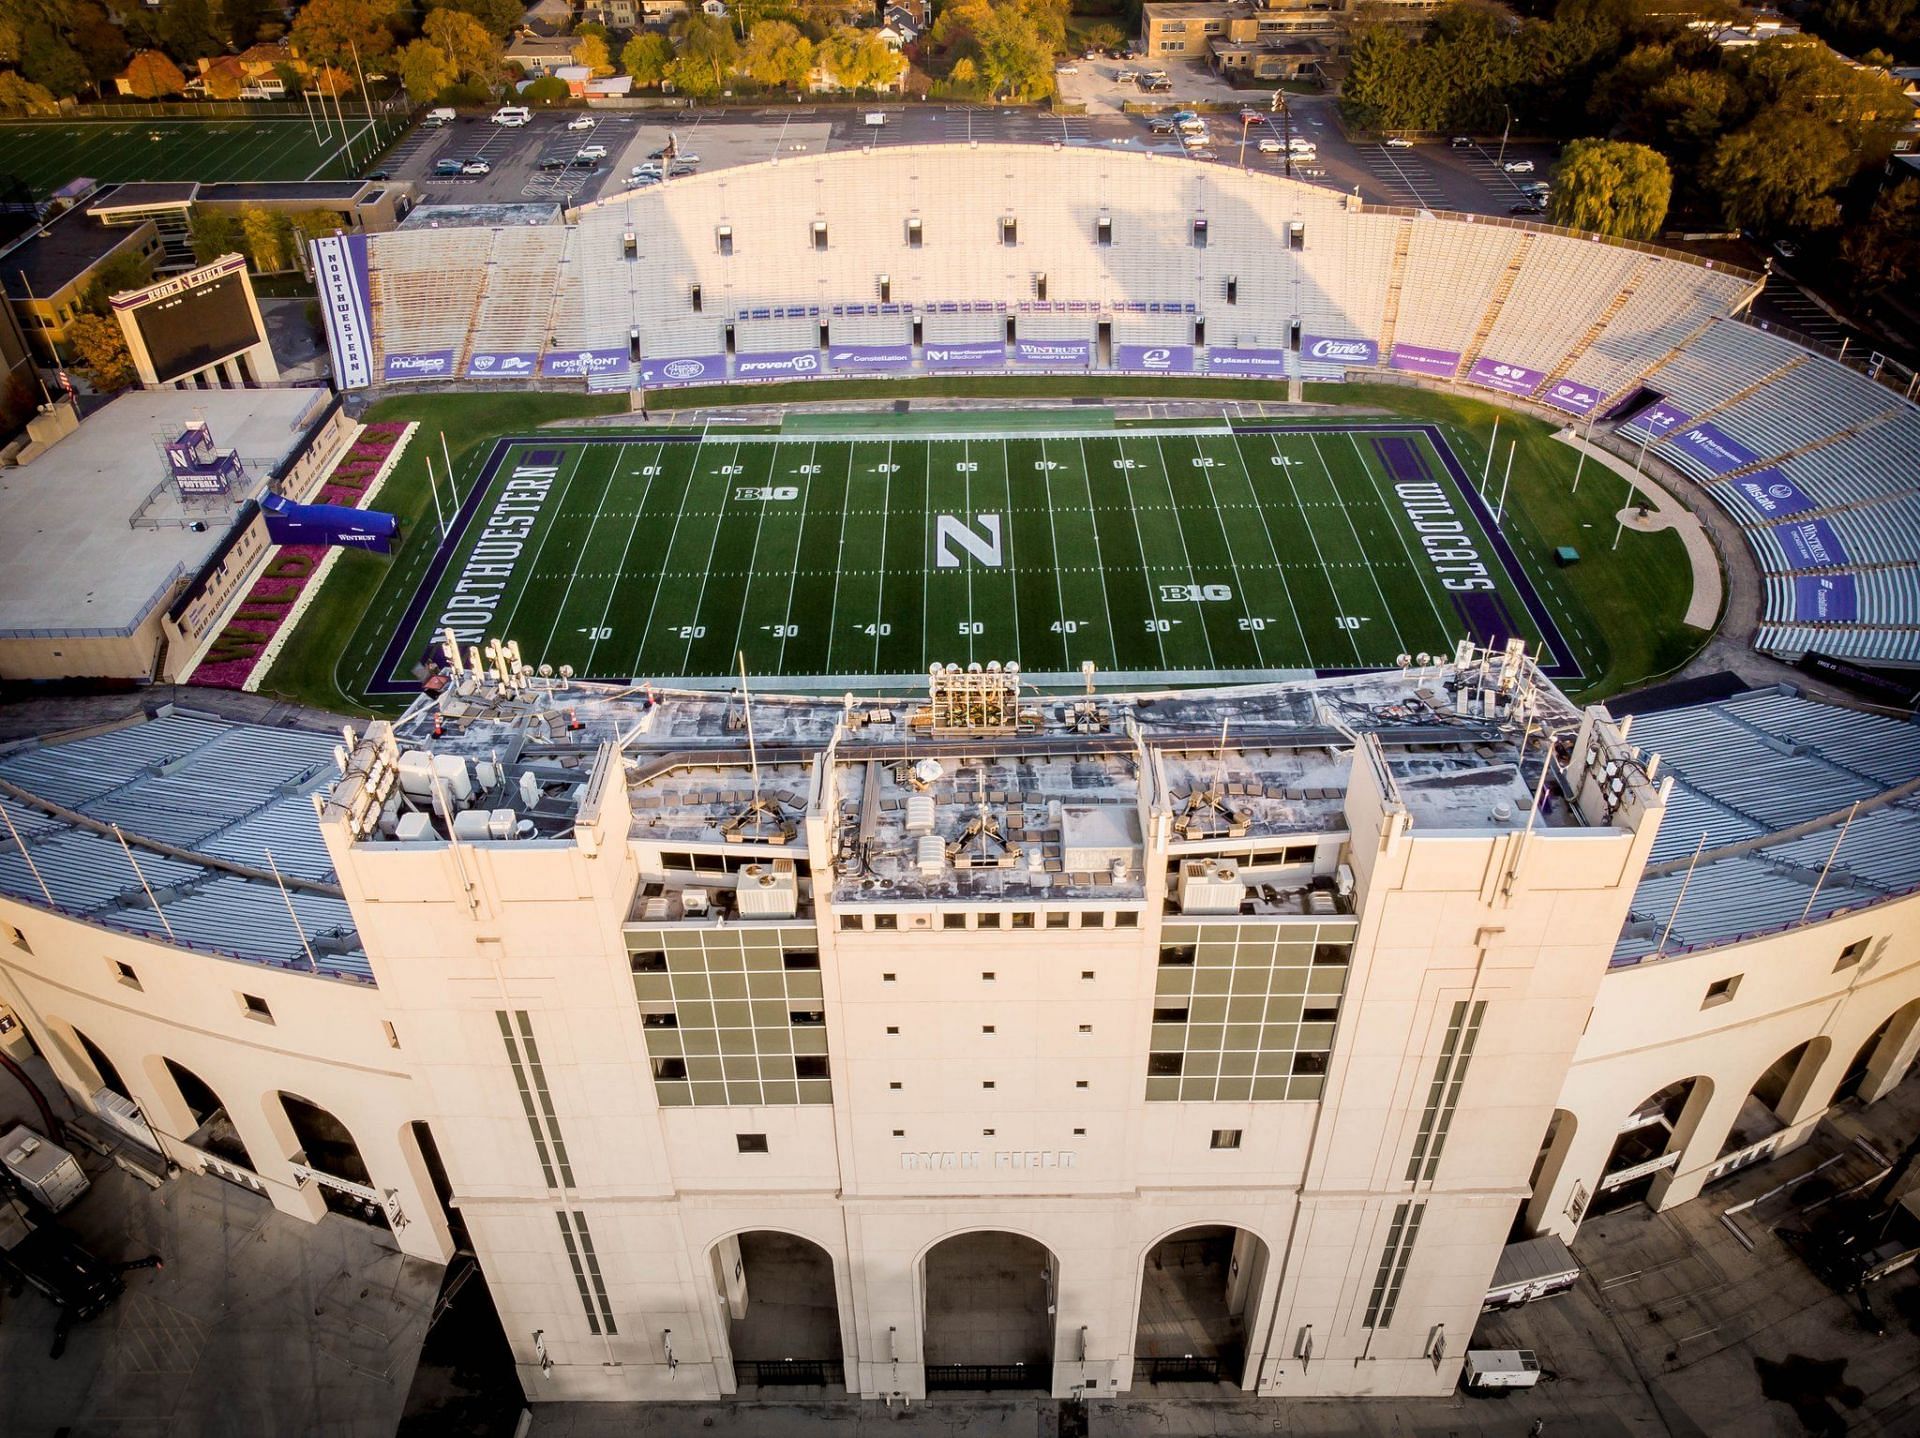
{"points": [[442, 116], [512, 115]]}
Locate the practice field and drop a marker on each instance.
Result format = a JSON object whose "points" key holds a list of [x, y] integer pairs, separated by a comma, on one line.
{"points": [[45, 154], [1158, 555]]}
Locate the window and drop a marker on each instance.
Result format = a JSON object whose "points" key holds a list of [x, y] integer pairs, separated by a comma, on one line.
{"points": [[820, 234], [953, 921], [650, 962], [1233, 289], [669, 1070], [694, 298], [1443, 1094], [986, 1083], [750, 1142], [1086, 976], [660, 1021], [1058, 921], [1393, 1264], [1225, 1138], [536, 1101], [806, 1018], [1009, 231], [1330, 954], [393, 1034], [126, 975], [987, 921], [893, 1031], [1176, 955], [899, 1133], [1093, 921], [1720, 991], [723, 235], [852, 921], [986, 976], [256, 1007], [1319, 1016], [1103, 231], [915, 237], [1164, 1065], [1170, 1016], [1849, 956], [885, 287], [986, 1133], [1022, 920], [886, 921], [986, 1028], [1126, 919], [1296, 236], [888, 978], [799, 959], [1310, 1062], [586, 1271], [16, 938], [1199, 234], [1039, 287], [1079, 1133], [1081, 1083], [1086, 1028], [810, 1066], [895, 1084]]}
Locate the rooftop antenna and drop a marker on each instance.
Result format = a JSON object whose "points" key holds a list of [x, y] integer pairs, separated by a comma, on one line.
{"points": [[757, 809]]}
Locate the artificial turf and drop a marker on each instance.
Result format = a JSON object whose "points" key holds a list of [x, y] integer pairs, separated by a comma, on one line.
{"points": [[45, 154]]}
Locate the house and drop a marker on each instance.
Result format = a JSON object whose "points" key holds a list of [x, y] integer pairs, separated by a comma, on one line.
{"points": [[908, 24], [623, 15], [894, 39], [715, 8], [539, 55], [548, 17]]}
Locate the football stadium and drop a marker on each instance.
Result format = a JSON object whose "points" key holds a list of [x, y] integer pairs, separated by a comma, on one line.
{"points": [[942, 772]]}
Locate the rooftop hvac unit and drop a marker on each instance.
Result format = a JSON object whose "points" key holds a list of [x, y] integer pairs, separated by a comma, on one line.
{"points": [[471, 824], [930, 854], [919, 813], [693, 901], [767, 893], [414, 829], [1208, 886]]}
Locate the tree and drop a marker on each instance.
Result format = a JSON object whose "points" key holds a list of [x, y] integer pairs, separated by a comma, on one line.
{"points": [[270, 239], [47, 59], [860, 59], [127, 270], [424, 69], [469, 46], [214, 233], [101, 43], [1611, 187], [331, 31], [1885, 251], [1779, 173], [150, 75], [546, 90], [1015, 60], [646, 57], [499, 16], [20, 96], [101, 350], [1106, 37], [777, 55], [188, 30], [591, 51], [243, 20], [706, 54]]}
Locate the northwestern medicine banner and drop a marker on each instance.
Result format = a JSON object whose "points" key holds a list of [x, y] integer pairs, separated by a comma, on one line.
{"points": [[772, 364], [1260, 364], [503, 364], [990, 354], [340, 270], [1773, 494], [1418, 359], [583, 364], [1157, 359], [1713, 449], [1573, 398], [1064, 353], [1826, 599], [1512, 378], [688, 369], [870, 359], [1323, 349], [428, 364], [1811, 544]]}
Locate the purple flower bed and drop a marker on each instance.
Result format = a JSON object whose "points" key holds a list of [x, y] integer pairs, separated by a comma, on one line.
{"points": [[236, 650], [361, 463]]}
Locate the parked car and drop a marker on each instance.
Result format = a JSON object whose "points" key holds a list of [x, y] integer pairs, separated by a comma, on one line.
{"points": [[1786, 249], [1528, 208], [554, 162], [377, 175], [582, 122], [1461, 142], [446, 167], [1163, 127], [1302, 147], [1202, 154], [444, 115], [476, 167], [659, 154], [1519, 167], [687, 160], [640, 182], [1311, 172], [649, 168], [512, 115], [1066, 69], [1126, 77], [591, 152], [682, 167], [1270, 147], [1396, 143]]}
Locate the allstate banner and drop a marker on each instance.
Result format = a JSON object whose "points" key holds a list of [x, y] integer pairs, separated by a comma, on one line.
{"points": [[870, 359], [687, 369], [1076, 354], [1811, 544], [1156, 359], [1826, 599], [1774, 495], [340, 270], [1260, 364], [771, 364], [1418, 359], [502, 364], [1713, 449], [977, 355], [1573, 398], [583, 364], [1659, 419], [1326, 349], [1512, 378], [290, 523], [426, 364]]}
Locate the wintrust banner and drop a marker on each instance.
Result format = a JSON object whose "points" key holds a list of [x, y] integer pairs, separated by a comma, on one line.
{"points": [[340, 270], [1418, 359], [1057, 354], [1155, 359], [515, 364], [1774, 495], [1826, 599], [1573, 398], [427, 364], [1259, 364], [1811, 544], [1323, 349], [776, 364], [1512, 378], [978, 355], [1713, 449], [582, 364], [688, 369], [870, 359]]}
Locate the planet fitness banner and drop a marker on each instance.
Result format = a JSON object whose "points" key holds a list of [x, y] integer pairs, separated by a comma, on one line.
{"points": [[968, 356], [1713, 449], [688, 369], [1323, 349], [1056, 354], [1260, 364], [502, 365], [1773, 494], [1826, 599], [1573, 398], [583, 364], [1418, 359], [340, 268], [428, 364], [870, 359], [1512, 378], [1811, 544], [1157, 359]]}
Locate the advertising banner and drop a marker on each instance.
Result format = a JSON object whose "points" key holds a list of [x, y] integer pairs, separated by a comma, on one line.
{"points": [[1418, 359], [1774, 495], [976, 354], [290, 523], [1156, 359], [1323, 349], [428, 364], [1826, 599], [503, 364], [1512, 378], [340, 270], [583, 364], [870, 359], [1713, 449], [688, 369], [1257, 364], [1811, 544], [1055, 354], [776, 364], [1573, 398], [1659, 419]]}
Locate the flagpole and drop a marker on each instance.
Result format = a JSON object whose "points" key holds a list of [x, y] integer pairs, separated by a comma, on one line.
{"points": [[1500, 509], [1486, 471], [431, 484]]}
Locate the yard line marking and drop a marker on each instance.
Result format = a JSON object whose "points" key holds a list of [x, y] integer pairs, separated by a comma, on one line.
{"points": [[880, 589], [1239, 583], [506, 625], [1192, 578], [1146, 572], [1306, 649], [580, 555], [639, 509], [793, 576], [660, 583], [966, 495], [1059, 582], [1392, 518], [1100, 565], [1013, 562], [1352, 638], [753, 558], [1399, 639], [926, 560]]}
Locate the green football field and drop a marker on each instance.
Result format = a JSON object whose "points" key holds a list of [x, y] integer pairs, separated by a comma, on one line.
{"points": [[45, 154], [1167, 554]]}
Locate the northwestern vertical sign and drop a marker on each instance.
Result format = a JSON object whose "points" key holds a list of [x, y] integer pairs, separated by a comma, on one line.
{"points": [[340, 270]]}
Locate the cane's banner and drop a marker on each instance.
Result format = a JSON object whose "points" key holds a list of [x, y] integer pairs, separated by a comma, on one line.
{"points": [[1326, 349]]}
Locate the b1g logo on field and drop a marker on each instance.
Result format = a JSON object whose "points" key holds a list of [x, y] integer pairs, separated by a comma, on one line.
{"points": [[984, 547]]}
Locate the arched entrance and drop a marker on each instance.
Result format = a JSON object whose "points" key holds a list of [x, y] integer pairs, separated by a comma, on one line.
{"points": [[328, 1157], [1770, 1106], [1649, 1145], [782, 1309], [1874, 1067], [1548, 1164], [215, 1133], [1198, 1288], [987, 1304], [102, 1065]]}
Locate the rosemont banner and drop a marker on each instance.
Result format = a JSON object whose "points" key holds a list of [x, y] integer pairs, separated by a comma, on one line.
{"points": [[1159, 359], [688, 369], [771, 364], [1076, 354], [519, 364], [1811, 544], [873, 359], [428, 364], [1774, 495], [1261, 364], [1323, 349], [1512, 378], [1573, 398], [976, 355], [1418, 359], [582, 364]]}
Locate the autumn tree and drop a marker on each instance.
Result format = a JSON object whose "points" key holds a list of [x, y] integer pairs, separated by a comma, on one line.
{"points": [[151, 75], [1611, 187], [270, 239], [860, 59], [471, 49], [646, 57], [189, 31], [214, 233], [424, 69], [20, 96], [1885, 250], [591, 51], [498, 16], [705, 54], [101, 350], [333, 31], [777, 55], [1779, 173]]}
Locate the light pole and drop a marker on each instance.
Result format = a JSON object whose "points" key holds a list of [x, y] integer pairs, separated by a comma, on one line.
{"points": [[1502, 162]]}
